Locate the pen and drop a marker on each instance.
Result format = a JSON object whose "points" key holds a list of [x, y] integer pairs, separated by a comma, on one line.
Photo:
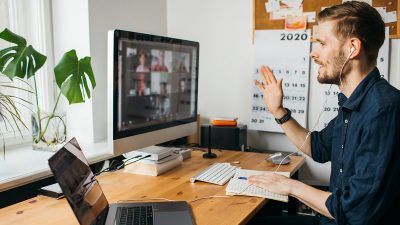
{"points": [[242, 178]]}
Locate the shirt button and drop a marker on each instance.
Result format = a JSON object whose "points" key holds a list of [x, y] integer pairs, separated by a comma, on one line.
{"points": [[346, 121], [341, 170], [342, 146]]}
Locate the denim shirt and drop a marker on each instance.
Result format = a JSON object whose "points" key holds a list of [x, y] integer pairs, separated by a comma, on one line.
{"points": [[363, 144]]}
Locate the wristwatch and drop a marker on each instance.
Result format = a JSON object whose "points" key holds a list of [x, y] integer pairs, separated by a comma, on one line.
{"points": [[284, 118]]}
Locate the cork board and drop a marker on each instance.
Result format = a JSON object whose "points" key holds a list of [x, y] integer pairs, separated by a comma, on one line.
{"points": [[262, 21]]}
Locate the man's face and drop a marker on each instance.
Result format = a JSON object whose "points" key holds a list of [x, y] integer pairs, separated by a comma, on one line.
{"points": [[328, 54]]}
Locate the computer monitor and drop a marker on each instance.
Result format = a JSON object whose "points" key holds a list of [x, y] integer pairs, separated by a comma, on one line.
{"points": [[152, 89]]}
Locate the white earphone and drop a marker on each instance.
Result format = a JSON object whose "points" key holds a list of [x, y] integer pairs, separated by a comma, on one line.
{"points": [[352, 49]]}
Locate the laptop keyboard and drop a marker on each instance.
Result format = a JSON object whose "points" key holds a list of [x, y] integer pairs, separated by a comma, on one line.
{"points": [[138, 215]]}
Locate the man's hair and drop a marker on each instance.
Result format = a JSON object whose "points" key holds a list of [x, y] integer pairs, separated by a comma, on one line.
{"points": [[360, 20]]}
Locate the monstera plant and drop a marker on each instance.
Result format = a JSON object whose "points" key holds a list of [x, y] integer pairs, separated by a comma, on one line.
{"points": [[72, 75]]}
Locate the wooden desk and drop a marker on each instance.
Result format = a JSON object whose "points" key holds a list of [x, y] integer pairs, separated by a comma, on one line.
{"points": [[172, 185]]}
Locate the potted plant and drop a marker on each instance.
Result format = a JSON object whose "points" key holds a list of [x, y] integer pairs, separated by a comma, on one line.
{"points": [[72, 75]]}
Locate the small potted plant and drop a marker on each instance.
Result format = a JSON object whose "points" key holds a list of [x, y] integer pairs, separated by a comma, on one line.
{"points": [[73, 76]]}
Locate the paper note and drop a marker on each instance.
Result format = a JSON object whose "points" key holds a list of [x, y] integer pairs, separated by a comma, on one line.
{"points": [[282, 13], [382, 12], [310, 16], [272, 5], [296, 22], [390, 17], [292, 3]]}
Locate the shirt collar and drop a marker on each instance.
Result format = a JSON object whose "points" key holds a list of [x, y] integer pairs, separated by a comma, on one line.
{"points": [[361, 90]]}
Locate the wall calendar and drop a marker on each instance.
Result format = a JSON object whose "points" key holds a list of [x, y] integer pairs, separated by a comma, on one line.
{"points": [[287, 54]]}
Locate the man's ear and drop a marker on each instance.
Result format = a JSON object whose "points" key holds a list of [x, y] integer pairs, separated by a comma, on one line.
{"points": [[355, 47]]}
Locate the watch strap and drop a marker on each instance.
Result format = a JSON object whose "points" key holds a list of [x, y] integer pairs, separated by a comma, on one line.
{"points": [[285, 117]]}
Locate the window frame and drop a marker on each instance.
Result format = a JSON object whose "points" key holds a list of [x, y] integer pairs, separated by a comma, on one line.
{"points": [[32, 20]]}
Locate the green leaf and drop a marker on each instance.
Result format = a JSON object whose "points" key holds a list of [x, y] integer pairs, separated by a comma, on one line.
{"points": [[19, 60], [72, 77]]}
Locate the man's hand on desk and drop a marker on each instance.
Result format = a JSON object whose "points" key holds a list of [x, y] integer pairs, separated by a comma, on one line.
{"points": [[272, 182], [279, 184]]}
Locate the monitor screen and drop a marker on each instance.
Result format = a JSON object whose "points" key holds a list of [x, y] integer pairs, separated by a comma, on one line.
{"points": [[154, 83]]}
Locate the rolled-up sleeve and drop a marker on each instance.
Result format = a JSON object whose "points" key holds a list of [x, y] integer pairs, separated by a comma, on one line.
{"points": [[367, 194], [321, 143]]}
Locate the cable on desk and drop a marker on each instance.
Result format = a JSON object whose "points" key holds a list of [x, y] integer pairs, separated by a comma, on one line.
{"points": [[108, 169], [125, 164], [207, 197]]}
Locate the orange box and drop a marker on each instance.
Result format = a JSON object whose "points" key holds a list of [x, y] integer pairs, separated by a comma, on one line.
{"points": [[224, 122]]}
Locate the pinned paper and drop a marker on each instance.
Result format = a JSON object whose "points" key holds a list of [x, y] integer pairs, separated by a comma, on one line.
{"points": [[390, 17], [310, 16], [296, 22], [272, 5], [381, 11], [282, 13], [292, 3]]}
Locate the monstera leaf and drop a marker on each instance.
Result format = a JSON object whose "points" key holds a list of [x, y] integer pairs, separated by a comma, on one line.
{"points": [[19, 60], [72, 77]]}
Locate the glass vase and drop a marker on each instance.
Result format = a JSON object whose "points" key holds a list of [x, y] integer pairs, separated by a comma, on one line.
{"points": [[50, 132]]}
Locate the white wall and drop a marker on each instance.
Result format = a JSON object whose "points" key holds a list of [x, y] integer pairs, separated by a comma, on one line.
{"points": [[133, 15], [71, 31], [83, 25], [224, 30]]}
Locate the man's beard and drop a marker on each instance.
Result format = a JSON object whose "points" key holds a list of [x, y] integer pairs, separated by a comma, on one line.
{"points": [[333, 76]]}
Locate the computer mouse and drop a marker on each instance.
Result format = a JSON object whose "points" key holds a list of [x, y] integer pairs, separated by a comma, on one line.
{"points": [[278, 158]]}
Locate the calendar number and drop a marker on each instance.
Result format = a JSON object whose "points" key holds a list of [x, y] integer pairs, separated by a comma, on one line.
{"points": [[293, 37]]}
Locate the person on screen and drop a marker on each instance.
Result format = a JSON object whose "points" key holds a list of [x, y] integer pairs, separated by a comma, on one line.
{"points": [[142, 67], [160, 66], [182, 86], [163, 101], [363, 141], [181, 66], [141, 86]]}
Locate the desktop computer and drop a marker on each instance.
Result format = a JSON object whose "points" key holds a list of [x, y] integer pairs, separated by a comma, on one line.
{"points": [[152, 89]]}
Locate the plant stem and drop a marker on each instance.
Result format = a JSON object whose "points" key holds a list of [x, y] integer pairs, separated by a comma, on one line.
{"points": [[38, 109], [41, 134]]}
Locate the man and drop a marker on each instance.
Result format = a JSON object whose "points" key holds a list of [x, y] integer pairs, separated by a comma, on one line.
{"points": [[363, 141], [141, 86]]}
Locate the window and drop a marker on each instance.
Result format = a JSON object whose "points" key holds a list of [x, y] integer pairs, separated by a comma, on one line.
{"points": [[32, 20]]}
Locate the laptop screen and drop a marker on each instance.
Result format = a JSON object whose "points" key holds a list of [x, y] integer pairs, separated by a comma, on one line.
{"points": [[72, 172]]}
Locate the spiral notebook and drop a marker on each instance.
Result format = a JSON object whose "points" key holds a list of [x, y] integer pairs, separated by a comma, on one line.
{"points": [[238, 185]]}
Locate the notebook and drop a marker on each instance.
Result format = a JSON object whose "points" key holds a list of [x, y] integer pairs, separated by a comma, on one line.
{"points": [[238, 185], [89, 204]]}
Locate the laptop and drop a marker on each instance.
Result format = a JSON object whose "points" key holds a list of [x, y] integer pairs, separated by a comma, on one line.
{"points": [[89, 204]]}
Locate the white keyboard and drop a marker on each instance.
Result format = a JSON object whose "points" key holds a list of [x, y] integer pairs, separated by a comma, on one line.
{"points": [[218, 173]]}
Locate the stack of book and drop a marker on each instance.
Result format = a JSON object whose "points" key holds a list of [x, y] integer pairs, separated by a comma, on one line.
{"points": [[154, 167]]}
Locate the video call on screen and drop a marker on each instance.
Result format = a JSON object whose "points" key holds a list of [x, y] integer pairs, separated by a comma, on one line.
{"points": [[156, 83]]}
